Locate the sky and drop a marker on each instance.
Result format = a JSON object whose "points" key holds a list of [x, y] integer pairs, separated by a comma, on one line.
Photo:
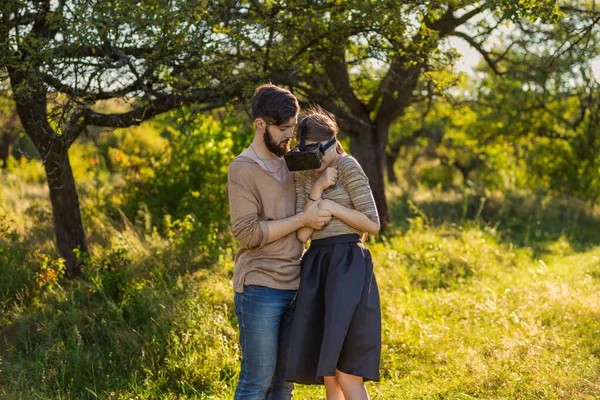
{"points": [[471, 57]]}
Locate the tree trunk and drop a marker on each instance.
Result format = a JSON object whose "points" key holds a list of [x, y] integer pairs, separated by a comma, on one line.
{"points": [[6, 141], [8, 136], [65, 209], [390, 160], [63, 194], [368, 148], [464, 171]]}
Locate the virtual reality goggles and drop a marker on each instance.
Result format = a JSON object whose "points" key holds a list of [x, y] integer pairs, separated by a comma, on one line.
{"points": [[306, 156]]}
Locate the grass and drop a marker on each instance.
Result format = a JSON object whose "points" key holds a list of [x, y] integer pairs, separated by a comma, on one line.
{"points": [[515, 328], [478, 302]]}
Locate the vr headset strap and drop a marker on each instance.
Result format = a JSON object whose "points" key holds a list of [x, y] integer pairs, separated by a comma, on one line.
{"points": [[329, 144], [302, 134]]}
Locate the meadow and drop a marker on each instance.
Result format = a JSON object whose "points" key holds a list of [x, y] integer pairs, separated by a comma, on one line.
{"points": [[485, 294]]}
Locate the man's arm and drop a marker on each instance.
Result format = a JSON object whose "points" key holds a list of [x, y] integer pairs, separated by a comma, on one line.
{"points": [[311, 218], [255, 233], [305, 232]]}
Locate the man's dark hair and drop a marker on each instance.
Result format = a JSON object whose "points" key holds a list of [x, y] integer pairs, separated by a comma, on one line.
{"points": [[274, 104]]}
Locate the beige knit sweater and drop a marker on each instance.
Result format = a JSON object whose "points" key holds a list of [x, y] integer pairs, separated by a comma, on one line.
{"points": [[255, 197]]}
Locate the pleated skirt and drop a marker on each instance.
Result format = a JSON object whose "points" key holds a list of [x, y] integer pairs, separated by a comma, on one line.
{"points": [[337, 322]]}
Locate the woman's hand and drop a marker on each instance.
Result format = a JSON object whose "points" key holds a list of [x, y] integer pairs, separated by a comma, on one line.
{"points": [[327, 178], [328, 205]]}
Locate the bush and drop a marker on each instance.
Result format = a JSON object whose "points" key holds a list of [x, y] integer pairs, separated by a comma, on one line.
{"points": [[180, 186]]}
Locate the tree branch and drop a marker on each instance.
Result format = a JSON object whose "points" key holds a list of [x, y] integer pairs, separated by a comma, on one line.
{"points": [[164, 103], [551, 134], [400, 81], [346, 120], [448, 22], [337, 72], [85, 94], [585, 32], [103, 51], [477, 46], [593, 13]]}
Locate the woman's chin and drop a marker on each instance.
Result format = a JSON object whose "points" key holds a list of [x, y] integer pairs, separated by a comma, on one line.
{"points": [[324, 166]]}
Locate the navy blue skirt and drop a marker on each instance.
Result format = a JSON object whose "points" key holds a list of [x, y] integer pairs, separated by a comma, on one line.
{"points": [[337, 322]]}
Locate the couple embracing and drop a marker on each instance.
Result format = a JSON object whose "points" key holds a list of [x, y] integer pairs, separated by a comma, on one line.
{"points": [[311, 318]]}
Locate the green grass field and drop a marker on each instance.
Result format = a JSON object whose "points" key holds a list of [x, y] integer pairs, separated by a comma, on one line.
{"points": [[480, 300]]}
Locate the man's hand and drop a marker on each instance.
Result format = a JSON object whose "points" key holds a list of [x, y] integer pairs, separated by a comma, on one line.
{"points": [[315, 217], [327, 178]]}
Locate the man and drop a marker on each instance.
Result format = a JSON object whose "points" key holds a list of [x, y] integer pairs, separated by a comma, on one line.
{"points": [[262, 202]]}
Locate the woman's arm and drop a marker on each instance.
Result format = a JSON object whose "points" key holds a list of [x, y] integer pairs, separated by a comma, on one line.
{"points": [[327, 178], [363, 213], [354, 218]]}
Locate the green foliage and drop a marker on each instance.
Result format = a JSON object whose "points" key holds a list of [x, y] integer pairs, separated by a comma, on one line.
{"points": [[179, 185], [50, 271], [534, 10], [133, 326], [544, 120], [442, 146], [25, 169], [521, 130], [161, 337], [558, 167], [12, 256], [109, 274], [437, 176]]}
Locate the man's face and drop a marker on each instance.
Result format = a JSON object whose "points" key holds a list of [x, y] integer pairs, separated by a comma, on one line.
{"points": [[278, 138]]}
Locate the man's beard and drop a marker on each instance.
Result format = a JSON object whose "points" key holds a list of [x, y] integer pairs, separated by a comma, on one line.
{"points": [[279, 149]]}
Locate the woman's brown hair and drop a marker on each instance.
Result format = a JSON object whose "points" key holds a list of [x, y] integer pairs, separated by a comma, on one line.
{"points": [[320, 126]]}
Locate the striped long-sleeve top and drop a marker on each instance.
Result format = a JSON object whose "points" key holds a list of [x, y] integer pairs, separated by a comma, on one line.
{"points": [[351, 190]]}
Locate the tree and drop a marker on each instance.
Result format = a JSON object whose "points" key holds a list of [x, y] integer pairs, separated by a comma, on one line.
{"points": [[364, 61], [9, 127], [531, 112], [63, 57], [552, 120]]}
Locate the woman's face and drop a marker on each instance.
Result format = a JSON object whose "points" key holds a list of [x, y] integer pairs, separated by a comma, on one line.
{"points": [[329, 157]]}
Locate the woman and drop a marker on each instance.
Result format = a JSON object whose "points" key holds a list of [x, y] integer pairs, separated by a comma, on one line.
{"points": [[336, 335]]}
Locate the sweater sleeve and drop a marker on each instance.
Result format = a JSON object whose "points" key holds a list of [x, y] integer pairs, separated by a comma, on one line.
{"points": [[360, 193], [244, 206]]}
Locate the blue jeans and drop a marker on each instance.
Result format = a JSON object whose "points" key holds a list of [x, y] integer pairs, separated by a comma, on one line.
{"points": [[265, 317]]}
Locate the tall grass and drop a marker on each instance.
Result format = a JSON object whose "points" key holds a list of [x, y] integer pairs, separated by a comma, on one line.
{"points": [[497, 299]]}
